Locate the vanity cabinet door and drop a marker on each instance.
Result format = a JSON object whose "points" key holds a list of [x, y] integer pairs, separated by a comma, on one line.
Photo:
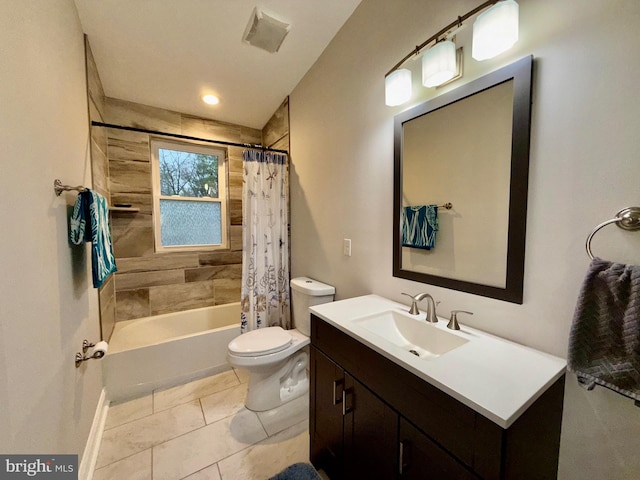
{"points": [[421, 459], [370, 434], [325, 420]]}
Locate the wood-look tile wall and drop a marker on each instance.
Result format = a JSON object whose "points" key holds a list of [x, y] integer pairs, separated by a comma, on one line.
{"points": [[149, 283], [275, 133], [100, 178]]}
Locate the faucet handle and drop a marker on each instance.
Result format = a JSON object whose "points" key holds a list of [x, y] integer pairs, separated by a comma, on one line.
{"points": [[453, 321], [414, 304]]}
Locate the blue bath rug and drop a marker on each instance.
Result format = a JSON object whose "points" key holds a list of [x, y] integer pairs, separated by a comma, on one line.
{"points": [[297, 471]]}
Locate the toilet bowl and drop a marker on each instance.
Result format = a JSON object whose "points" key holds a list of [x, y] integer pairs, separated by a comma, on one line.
{"points": [[274, 358]]}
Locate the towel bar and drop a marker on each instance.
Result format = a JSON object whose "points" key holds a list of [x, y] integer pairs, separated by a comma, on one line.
{"points": [[627, 219], [59, 187]]}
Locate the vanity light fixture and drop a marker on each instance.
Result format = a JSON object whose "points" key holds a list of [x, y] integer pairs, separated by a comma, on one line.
{"points": [[495, 31], [397, 87], [439, 64], [210, 99]]}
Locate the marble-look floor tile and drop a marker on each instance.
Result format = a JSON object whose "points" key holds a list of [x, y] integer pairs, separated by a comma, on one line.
{"points": [[286, 415], [120, 413], [135, 467], [243, 374], [196, 450], [133, 437], [209, 473], [268, 457], [224, 404], [163, 399]]}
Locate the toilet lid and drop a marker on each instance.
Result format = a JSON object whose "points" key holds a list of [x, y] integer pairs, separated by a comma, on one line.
{"points": [[261, 342]]}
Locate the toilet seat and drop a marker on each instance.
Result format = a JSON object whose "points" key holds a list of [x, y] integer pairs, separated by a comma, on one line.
{"points": [[260, 342]]}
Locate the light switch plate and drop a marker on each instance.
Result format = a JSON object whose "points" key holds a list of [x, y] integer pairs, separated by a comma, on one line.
{"points": [[346, 247]]}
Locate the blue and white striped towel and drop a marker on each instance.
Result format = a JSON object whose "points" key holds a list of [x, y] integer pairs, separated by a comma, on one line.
{"points": [[90, 223], [419, 226]]}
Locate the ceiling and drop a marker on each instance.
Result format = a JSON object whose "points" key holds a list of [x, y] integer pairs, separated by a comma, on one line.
{"points": [[169, 53]]}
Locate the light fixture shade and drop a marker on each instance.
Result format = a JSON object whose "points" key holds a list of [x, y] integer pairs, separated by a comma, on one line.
{"points": [[397, 87], [439, 64], [496, 30]]}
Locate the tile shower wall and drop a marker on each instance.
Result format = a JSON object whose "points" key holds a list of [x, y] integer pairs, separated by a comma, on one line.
{"points": [[149, 283], [100, 178], [275, 133]]}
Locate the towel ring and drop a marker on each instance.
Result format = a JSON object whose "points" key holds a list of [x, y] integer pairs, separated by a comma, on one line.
{"points": [[627, 219]]}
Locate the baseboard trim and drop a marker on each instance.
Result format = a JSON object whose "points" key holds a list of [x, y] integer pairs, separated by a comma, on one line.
{"points": [[90, 454]]}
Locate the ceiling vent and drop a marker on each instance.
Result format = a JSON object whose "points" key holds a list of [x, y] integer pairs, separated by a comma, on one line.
{"points": [[265, 32]]}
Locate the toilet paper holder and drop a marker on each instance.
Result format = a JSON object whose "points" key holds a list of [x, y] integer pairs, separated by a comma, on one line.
{"points": [[100, 350]]}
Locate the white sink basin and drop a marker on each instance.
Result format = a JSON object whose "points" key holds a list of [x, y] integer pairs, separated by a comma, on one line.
{"points": [[495, 377], [411, 334]]}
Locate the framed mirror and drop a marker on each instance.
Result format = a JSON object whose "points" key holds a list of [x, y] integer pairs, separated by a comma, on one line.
{"points": [[468, 148]]}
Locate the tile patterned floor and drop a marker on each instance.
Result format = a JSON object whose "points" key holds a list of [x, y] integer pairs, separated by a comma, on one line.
{"points": [[202, 431]]}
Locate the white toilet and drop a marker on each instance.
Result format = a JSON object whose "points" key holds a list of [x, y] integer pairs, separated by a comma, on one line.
{"points": [[277, 366]]}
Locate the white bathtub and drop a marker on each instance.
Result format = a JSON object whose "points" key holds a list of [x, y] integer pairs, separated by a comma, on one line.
{"points": [[164, 350]]}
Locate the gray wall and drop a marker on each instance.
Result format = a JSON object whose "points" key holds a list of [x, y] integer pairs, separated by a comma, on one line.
{"points": [[47, 303], [584, 168]]}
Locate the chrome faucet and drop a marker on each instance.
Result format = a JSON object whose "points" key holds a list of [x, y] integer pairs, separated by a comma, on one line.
{"points": [[431, 306]]}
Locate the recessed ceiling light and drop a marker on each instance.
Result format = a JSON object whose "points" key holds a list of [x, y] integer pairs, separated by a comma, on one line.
{"points": [[211, 99]]}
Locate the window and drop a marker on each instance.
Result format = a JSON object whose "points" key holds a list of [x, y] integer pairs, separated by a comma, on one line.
{"points": [[189, 196]]}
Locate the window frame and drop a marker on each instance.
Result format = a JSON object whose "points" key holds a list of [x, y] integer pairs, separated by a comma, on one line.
{"points": [[156, 144]]}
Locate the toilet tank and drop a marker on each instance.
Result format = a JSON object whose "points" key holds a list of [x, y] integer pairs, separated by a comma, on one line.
{"points": [[305, 293]]}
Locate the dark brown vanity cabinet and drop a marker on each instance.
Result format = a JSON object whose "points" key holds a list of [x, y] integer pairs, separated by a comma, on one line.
{"points": [[370, 418], [355, 432], [421, 458], [326, 417]]}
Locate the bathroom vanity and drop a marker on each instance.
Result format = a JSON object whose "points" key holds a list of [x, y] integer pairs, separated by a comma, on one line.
{"points": [[395, 397]]}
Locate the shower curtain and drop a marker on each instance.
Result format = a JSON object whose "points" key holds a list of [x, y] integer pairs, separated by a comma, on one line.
{"points": [[265, 241]]}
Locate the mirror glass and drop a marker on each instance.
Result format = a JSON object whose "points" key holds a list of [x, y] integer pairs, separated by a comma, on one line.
{"points": [[469, 148]]}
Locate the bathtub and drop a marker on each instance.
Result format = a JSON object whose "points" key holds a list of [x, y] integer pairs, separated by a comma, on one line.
{"points": [[164, 350]]}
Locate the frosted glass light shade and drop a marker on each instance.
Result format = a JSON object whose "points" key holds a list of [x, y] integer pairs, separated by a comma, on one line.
{"points": [[397, 87], [439, 64], [495, 30]]}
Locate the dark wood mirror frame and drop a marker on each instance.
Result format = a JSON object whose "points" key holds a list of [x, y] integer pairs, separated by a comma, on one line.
{"points": [[521, 74]]}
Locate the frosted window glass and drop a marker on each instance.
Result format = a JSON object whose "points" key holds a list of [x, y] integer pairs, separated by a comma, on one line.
{"points": [[190, 223]]}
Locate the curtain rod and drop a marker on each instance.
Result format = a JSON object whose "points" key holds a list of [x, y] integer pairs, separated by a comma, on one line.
{"points": [[187, 137]]}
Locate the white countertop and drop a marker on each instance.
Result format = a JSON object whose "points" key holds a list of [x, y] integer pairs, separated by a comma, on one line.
{"points": [[495, 377]]}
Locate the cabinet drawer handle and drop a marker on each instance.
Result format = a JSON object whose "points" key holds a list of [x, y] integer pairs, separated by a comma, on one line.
{"points": [[402, 465], [346, 409], [337, 399]]}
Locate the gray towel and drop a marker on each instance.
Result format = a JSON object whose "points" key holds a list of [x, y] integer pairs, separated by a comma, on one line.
{"points": [[604, 345], [297, 471]]}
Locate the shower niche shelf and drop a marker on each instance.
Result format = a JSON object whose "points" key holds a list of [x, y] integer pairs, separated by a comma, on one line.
{"points": [[124, 209]]}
